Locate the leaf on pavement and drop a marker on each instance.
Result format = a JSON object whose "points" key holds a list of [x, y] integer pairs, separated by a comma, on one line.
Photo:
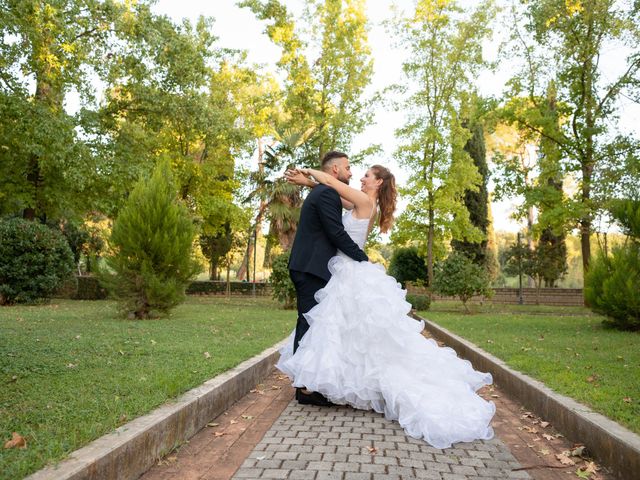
{"points": [[546, 436], [17, 441], [219, 434], [247, 417], [372, 450], [213, 424], [564, 458]]}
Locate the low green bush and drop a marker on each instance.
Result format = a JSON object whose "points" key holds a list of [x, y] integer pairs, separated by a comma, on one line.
{"points": [[612, 287], [458, 276], [419, 302], [209, 287], [35, 261], [283, 289], [406, 265], [612, 284], [89, 288]]}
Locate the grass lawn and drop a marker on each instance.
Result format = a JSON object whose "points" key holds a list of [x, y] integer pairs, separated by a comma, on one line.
{"points": [[72, 371], [567, 348]]}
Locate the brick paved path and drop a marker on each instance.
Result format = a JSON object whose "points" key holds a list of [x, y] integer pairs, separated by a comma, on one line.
{"points": [[314, 443]]}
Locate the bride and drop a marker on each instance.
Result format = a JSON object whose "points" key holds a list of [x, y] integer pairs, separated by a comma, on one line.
{"points": [[362, 349]]}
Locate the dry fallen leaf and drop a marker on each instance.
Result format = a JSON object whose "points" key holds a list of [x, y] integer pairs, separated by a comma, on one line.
{"points": [[546, 436], [626, 399], [17, 441], [233, 422], [544, 424], [219, 434], [544, 451], [564, 458], [207, 355], [213, 424], [172, 459], [372, 450], [530, 429], [255, 390], [276, 387], [247, 417]]}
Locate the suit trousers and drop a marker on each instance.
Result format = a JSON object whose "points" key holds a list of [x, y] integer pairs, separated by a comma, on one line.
{"points": [[306, 285]]}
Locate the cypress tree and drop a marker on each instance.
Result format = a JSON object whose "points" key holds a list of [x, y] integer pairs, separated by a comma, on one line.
{"points": [[552, 238], [476, 201], [152, 244]]}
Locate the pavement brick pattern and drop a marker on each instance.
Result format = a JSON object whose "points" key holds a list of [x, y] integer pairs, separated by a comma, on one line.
{"points": [[340, 443]]}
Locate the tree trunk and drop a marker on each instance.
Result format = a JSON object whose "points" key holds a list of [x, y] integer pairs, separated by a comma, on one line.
{"points": [[430, 236], [213, 270]]}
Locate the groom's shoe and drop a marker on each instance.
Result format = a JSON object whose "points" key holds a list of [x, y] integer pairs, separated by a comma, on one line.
{"points": [[304, 397]]}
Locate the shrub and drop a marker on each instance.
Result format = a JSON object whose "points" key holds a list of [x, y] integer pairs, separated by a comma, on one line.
{"points": [[89, 288], [612, 287], [419, 302], [34, 261], [458, 276], [407, 266], [283, 289], [612, 284], [152, 243]]}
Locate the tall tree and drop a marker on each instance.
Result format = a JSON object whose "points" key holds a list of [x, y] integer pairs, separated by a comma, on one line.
{"points": [[476, 200], [552, 219], [570, 39], [324, 92], [49, 50], [445, 44]]}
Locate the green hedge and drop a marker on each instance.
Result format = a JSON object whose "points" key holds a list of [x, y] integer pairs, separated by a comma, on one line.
{"points": [[89, 288], [418, 301], [208, 287]]}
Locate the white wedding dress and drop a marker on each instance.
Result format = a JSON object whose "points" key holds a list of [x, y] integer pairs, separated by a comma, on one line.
{"points": [[362, 349]]}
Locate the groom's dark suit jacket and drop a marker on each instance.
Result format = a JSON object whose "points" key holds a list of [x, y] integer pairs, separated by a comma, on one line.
{"points": [[320, 233]]}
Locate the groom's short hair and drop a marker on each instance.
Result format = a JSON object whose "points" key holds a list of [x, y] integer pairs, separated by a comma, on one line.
{"points": [[329, 157]]}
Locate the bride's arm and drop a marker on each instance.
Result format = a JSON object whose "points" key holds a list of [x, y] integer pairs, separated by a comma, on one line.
{"points": [[359, 199], [298, 178]]}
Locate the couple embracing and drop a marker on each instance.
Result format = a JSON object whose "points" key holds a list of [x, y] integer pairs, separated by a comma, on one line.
{"points": [[354, 342]]}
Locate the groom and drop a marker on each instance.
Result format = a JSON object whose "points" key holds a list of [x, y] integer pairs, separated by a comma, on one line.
{"points": [[320, 234]]}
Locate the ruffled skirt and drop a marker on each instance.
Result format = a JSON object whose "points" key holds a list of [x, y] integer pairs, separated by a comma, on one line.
{"points": [[362, 349]]}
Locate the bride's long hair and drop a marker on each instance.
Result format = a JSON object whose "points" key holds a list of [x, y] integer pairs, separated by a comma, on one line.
{"points": [[387, 195]]}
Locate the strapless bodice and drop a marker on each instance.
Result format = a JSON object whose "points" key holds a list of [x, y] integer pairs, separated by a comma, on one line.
{"points": [[356, 228]]}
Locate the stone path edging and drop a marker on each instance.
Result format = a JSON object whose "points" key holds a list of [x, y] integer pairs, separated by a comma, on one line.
{"points": [[607, 441], [133, 448]]}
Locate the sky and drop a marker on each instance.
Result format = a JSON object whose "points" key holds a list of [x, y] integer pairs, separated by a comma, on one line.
{"points": [[238, 28]]}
